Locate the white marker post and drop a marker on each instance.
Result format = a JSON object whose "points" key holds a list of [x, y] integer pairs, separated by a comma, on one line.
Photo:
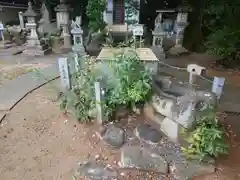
{"points": [[217, 86], [64, 73], [1, 31], [99, 97]]}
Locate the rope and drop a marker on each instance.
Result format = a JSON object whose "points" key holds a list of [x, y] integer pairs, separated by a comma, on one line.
{"points": [[184, 69]]}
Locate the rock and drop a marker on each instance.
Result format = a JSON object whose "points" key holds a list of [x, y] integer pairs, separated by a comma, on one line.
{"points": [[186, 170], [171, 129], [178, 51], [95, 171], [147, 133], [140, 158], [113, 136]]}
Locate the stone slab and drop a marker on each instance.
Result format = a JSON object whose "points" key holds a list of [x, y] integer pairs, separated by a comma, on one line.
{"points": [[187, 170], [15, 90], [113, 136], [144, 159], [148, 134], [95, 171], [171, 129]]}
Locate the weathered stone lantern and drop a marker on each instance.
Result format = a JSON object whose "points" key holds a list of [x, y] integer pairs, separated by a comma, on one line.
{"points": [[181, 24], [62, 15], [158, 35], [33, 44], [78, 46]]}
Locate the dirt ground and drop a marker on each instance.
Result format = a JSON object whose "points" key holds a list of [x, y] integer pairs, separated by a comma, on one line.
{"points": [[37, 142]]}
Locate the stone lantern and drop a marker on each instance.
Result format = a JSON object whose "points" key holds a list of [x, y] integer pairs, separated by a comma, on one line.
{"points": [[78, 46], [181, 24], [33, 47], [62, 15], [158, 35]]}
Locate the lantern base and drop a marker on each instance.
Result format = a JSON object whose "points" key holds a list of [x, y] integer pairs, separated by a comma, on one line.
{"points": [[178, 50]]}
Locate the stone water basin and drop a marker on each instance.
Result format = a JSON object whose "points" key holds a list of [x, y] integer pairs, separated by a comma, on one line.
{"points": [[145, 55]]}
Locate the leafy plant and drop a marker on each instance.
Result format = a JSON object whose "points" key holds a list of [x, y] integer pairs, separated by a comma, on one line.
{"points": [[80, 100], [95, 9], [131, 83], [207, 139]]}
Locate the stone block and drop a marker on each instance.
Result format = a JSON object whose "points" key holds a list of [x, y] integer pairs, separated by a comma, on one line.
{"points": [[163, 105], [187, 170], [148, 134], [171, 129], [151, 114], [144, 159]]}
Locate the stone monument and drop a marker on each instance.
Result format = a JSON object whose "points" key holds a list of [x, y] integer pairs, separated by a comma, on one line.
{"points": [[33, 47], [44, 22], [77, 33], [20, 16], [63, 22], [62, 11], [158, 35], [181, 24]]}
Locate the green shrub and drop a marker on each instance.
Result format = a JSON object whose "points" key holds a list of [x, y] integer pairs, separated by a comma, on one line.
{"points": [[129, 86], [207, 139], [224, 43]]}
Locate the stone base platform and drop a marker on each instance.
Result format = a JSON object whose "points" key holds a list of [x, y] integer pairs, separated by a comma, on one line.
{"points": [[36, 51]]}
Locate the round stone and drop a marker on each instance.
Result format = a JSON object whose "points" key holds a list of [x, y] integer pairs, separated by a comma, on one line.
{"points": [[147, 133]]}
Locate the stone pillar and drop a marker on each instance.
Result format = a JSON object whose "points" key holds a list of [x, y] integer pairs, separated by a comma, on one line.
{"points": [[33, 47], [20, 16], [158, 36], [63, 22], [181, 23]]}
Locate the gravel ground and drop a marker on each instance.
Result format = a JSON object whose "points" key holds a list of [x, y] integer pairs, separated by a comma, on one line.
{"points": [[39, 142]]}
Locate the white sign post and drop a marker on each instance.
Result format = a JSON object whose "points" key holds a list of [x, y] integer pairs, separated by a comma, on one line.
{"points": [[1, 31], [138, 31], [217, 86], [64, 73]]}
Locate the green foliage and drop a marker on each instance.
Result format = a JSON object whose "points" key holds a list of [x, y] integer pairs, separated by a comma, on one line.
{"points": [[224, 43], [131, 83], [128, 86], [94, 11], [221, 20], [80, 100], [207, 139]]}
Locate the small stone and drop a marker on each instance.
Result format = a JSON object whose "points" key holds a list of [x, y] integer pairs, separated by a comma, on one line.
{"points": [[122, 174], [97, 156], [186, 169], [66, 121], [93, 170], [141, 158], [148, 133], [114, 136]]}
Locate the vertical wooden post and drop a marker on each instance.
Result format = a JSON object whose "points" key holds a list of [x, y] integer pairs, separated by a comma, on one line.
{"points": [[98, 94]]}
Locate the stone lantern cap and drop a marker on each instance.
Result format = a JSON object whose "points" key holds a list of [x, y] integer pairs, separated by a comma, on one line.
{"points": [[62, 7], [30, 12]]}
